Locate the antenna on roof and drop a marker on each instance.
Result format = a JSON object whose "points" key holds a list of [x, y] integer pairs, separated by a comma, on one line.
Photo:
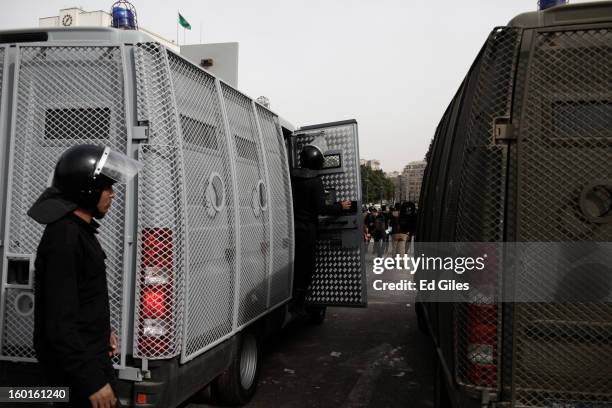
{"points": [[263, 100], [124, 15]]}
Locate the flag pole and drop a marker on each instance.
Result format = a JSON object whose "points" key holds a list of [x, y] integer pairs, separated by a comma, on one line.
{"points": [[177, 21]]}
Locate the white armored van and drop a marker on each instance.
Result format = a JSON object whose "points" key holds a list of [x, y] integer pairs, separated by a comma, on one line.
{"points": [[200, 245]]}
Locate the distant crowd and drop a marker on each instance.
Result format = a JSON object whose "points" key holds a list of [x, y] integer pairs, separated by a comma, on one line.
{"points": [[392, 230]]}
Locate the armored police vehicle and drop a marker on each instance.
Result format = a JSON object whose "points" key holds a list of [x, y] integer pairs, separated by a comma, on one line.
{"points": [[524, 154], [200, 246]]}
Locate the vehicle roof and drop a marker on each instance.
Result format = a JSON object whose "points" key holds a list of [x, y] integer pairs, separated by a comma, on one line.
{"points": [[69, 34], [568, 14], [87, 35]]}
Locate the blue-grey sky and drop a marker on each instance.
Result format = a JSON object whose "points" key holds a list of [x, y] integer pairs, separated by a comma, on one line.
{"points": [[393, 65]]}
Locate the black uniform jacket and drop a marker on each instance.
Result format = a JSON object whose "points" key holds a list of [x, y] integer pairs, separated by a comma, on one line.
{"points": [[72, 316], [309, 199]]}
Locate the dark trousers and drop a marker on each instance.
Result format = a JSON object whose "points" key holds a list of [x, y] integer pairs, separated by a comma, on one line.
{"points": [[305, 246], [379, 245]]}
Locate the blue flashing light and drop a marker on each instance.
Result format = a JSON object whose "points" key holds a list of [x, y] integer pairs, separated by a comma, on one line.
{"points": [[123, 18], [124, 15], [545, 4]]}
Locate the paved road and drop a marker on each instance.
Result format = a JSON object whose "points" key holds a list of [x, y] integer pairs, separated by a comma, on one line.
{"points": [[373, 357]]}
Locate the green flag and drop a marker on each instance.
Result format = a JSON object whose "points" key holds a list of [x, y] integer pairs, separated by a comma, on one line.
{"points": [[184, 22]]}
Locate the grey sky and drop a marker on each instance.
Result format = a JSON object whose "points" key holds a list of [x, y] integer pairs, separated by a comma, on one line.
{"points": [[393, 65]]}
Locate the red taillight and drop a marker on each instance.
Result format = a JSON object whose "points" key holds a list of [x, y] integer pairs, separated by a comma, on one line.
{"points": [[154, 303], [156, 279], [157, 247], [141, 398], [482, 344]]}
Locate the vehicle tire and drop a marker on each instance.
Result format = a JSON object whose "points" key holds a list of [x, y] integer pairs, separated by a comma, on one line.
{"points": [[316, 314], [237, 384], [204, 396]]}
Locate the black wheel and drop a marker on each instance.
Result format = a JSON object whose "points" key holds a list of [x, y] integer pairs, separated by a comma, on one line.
{"points": [[204, 396], [316, 314], [237, 384]]}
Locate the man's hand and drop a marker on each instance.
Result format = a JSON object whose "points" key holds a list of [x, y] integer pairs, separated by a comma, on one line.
{"points": [[346, 205], [113, 345], [103, 398]]}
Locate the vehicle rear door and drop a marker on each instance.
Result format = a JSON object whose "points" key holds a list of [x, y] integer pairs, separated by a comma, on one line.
{"points": [[339, 277], [61, 96]]}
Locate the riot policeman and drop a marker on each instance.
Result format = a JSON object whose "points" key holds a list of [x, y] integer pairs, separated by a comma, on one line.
{"points": [[72, 333], [308, 204]]}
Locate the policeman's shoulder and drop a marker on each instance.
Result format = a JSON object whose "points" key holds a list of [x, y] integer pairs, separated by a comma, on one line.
{"points": [[303, 174], [66, 229]]}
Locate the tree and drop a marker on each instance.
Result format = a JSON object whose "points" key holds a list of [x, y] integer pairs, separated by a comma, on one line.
{"points": [[375, 186]]}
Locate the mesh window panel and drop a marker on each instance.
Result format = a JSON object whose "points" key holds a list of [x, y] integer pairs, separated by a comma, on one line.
{"points": [[280, 206], [162, 236], [210, 208], [481, 203], [564, 351], [254, 209], [338, 270], [71, 85], [332, 162]]}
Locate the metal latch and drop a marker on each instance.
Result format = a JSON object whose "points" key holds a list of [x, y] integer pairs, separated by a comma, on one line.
{"points": [[131, 374], [140, 132], [503, 130]]}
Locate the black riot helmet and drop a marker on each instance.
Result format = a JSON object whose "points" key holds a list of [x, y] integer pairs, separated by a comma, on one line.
{"points": [[84, 171], [311, 156], [81, 174]]}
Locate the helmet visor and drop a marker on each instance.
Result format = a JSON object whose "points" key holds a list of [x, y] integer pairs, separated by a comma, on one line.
{"points": [[319, 143], [118, 166]]}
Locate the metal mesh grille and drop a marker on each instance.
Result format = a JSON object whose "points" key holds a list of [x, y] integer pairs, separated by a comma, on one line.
{"points": [[162, 234], [480, 212], [280, 207], [338, 277], [159, 283], [253, 205], [2, 54], [65, 96], [563, 351], [154, 94], [482, 185], [566, 139], [432, 185], [210, 208], [17, 327]]}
